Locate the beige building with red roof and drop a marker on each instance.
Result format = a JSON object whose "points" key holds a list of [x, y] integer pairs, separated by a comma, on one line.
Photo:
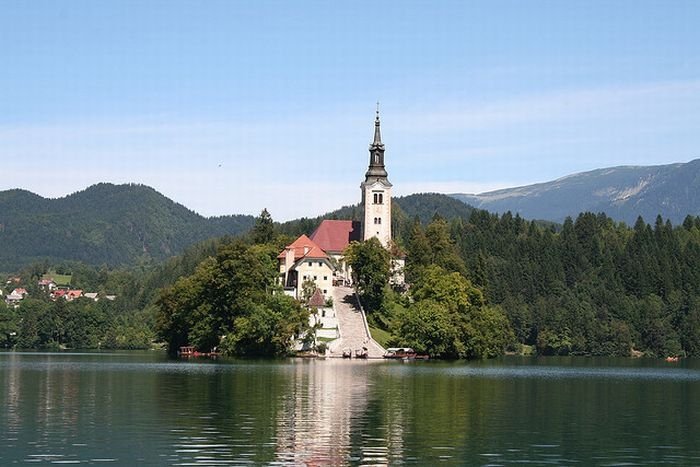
{"points": [[304, 260], [334, 236]]}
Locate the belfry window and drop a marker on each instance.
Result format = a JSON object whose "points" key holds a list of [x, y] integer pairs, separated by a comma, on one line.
{"points": [[378, 198]]}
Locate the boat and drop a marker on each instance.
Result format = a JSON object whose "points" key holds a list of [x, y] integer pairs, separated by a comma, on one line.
{"points": [[672, 359], [361, 353], [347, 353], [188, 351], [404, 353]]}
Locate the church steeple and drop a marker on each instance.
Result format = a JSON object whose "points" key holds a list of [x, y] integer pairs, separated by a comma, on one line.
{"points": [[376, 192], [376, 168], [377, 133]]}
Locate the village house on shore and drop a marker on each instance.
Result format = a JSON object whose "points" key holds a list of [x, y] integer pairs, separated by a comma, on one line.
{"points": [[54, 291]]}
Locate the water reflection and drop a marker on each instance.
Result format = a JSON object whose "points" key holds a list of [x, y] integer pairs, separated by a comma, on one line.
{"points": [[323, 411], [141, 409]]}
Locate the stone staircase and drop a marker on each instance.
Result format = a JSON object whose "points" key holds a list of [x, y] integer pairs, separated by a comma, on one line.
{"points": [[352, 325]]}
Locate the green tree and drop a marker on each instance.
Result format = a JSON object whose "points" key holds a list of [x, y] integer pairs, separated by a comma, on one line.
{"points": [[264, 229], [9, 326], [371, 265], [268, 328], [230, 297], [426, 327], [308, 287], [443, 251], [419, 250], [448, 318]]}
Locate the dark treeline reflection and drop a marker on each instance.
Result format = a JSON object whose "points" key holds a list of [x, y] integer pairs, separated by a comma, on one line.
{"points": [[142, 409]]}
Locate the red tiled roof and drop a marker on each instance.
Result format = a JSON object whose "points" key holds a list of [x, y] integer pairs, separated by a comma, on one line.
{"points": [[336, 235], [304, 247], [317, 299]]}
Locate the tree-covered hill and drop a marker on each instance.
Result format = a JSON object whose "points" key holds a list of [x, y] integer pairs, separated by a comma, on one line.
{"points": [[622, 193], [122, 225], [422, 205], [103, 224]]}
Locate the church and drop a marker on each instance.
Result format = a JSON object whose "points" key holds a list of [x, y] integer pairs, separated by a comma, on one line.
{"points": [[319, 257]]}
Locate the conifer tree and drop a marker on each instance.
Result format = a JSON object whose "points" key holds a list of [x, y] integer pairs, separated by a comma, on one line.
{"points": [[264, 229]]}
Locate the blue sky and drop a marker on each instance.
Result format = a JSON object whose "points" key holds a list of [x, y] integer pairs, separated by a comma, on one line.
{"points": [[228, 107]]}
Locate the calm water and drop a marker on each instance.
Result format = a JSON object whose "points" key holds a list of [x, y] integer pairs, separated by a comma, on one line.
{"points": [[142, 409]]}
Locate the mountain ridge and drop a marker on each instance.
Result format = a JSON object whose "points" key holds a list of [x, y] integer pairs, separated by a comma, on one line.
{"points": [[622, 192], [128, 223], [103, 224], [125, 224]]}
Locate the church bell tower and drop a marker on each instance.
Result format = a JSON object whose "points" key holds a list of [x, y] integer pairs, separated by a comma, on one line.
{"points": [[376, 192]]}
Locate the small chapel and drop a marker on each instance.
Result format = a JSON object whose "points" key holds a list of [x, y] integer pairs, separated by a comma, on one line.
{"points": [[319, 257]]}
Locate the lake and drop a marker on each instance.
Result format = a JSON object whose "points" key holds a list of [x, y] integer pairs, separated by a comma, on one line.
{"points": [[139, 408]]}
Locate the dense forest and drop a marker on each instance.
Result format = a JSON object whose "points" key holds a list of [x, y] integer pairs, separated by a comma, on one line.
{"points": [[592, 287], [116, 225], [480, 284]]}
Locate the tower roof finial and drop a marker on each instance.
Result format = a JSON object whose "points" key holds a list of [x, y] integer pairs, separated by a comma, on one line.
{"points": [[377, 132]]}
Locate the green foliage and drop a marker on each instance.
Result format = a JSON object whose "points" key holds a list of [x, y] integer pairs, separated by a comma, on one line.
{"points": [[267, 328], [451, 290], [382, 336], [80, 324], [589, 287], [423, 206], [229, 302], [104, 224], [428, 327], [595, 288], [9, 325], [308, 287], [447, 318], [441, 246], [370, 264], [264, 229]]}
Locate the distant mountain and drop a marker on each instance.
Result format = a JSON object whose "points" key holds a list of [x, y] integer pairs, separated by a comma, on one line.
{"points": [[623, 193], [103, 224]]}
